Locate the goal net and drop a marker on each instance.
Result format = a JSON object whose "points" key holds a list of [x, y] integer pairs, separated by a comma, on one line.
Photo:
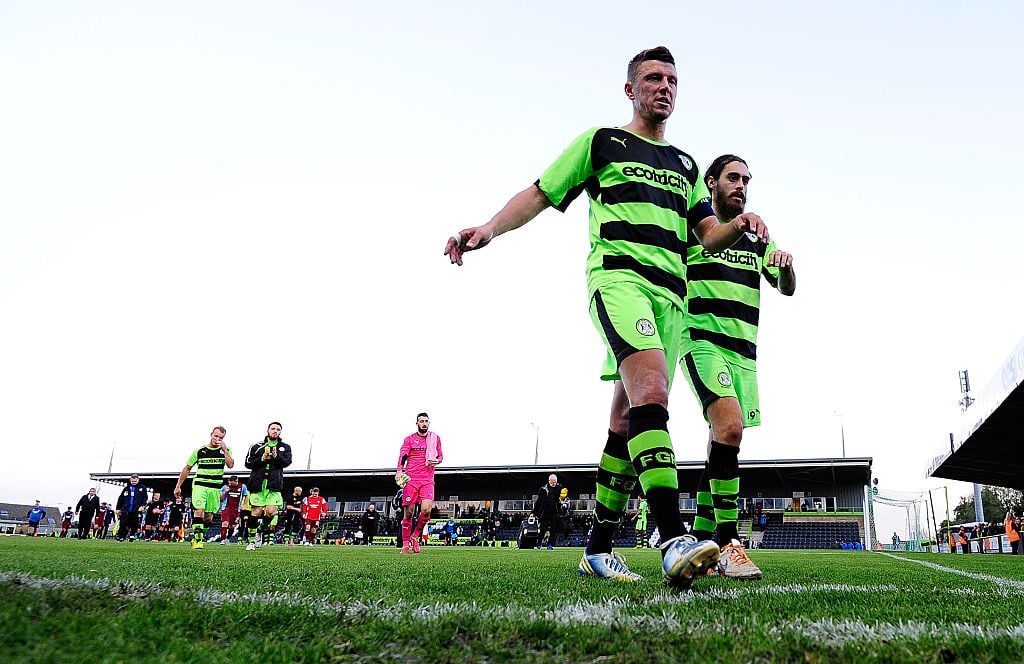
{"points": [[897, 520]]}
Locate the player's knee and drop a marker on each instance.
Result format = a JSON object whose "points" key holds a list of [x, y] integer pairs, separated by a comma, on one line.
{"points": [[731, 434]]}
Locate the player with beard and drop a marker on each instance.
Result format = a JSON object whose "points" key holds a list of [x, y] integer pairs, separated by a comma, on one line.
{"points": [[266, 460], [420, 453], [719, 349]]}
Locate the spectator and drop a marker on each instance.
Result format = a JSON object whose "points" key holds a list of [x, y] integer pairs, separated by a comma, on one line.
{"points": [[35, 515], [368, 524], [1012, 526], [65, 521], [130, 503], [87, 507], [546, 510], [965, 545]]}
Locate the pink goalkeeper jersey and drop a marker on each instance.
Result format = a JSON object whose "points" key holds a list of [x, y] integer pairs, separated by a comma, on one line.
{"points": [[420, 448]]}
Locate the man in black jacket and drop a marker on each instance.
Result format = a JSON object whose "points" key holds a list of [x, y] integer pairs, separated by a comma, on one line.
{"points": [[368, 524], [132, 499], [86, 508], [546, 509], [267, 461]]}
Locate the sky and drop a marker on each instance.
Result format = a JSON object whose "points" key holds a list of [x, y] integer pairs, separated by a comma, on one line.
{"points": [[232, 213]]}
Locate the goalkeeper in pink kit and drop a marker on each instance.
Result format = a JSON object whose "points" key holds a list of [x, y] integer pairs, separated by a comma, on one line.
{"points": [[420, 452]]}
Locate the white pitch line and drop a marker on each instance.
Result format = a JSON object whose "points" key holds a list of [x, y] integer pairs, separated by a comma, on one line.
{"points": [[614, 611], [972, 575]]}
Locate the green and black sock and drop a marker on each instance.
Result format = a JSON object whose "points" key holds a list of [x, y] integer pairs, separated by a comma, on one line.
{"points": [[654, 461], [724, 476], [616, 479], [704, 522]]}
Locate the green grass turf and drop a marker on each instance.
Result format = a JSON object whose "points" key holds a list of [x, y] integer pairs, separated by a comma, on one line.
{"points": [[91, 601]]}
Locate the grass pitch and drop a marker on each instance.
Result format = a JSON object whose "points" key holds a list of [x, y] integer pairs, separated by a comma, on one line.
{"points": [[91, 601]]}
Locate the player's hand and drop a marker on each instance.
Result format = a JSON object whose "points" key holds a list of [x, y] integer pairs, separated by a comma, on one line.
{"points": [[748, 222], [466, 240], [780, 259], [177, 492]]}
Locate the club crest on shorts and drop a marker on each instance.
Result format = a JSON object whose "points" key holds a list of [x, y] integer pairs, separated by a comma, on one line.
{"points": [[645, 327], [724, 380]]}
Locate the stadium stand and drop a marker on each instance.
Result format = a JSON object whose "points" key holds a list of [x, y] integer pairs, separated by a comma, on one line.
{"points": [[810, 535], [828, 489]]}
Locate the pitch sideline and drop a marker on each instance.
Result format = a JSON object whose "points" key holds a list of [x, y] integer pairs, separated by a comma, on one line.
{"points": [[972, 575]]}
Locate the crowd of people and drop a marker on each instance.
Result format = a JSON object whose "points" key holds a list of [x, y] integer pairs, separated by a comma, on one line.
{"points": [[962, 538]]}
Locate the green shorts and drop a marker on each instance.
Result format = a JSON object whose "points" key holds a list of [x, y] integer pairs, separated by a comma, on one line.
{"points": [[631, 318], [265, 498], [206, 499], [713, 376]]}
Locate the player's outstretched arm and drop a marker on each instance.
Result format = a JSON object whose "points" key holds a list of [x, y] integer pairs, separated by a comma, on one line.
{"points": [[181, 480], [716, 236], [787, 277], [523, 207]]}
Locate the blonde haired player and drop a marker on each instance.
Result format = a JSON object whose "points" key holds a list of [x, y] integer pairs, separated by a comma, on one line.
{"points": [[210, 460]]}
